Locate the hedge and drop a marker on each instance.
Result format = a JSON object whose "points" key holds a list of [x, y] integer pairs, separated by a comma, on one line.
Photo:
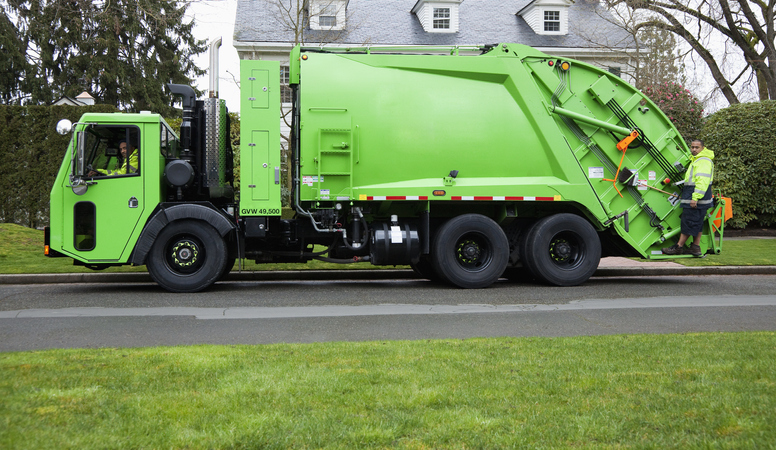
{"points": [[743, 139], [30, 155]]}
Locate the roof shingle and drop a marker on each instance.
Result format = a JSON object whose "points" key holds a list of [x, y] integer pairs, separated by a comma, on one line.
{"points": [[391, 22]]}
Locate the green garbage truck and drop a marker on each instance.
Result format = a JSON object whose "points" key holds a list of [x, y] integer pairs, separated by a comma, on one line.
{"points": [[469, 164]]}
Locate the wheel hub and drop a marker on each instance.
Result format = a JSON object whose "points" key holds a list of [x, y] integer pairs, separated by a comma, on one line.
{"points": [[561, 250], [184, 253], [469, 251]]}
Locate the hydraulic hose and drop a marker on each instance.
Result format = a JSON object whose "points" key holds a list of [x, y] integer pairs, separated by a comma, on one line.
{"points": [[366, 233]]}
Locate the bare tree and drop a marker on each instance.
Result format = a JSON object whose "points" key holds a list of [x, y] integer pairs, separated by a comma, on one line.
{"points": [[653, 56], [747, 26], [662, 62], [319, 22], [647, 56]]}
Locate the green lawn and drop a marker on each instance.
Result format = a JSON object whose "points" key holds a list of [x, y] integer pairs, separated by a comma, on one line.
{"points": [[749, 252], [21, 251], [708, 390]]}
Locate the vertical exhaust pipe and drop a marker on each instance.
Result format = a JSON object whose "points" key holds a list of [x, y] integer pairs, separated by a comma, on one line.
{"points": [[214, 46], [189, 98]]}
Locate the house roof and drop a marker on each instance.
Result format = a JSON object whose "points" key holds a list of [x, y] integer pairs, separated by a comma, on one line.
{"points": [[391, 22], [69, 101]]}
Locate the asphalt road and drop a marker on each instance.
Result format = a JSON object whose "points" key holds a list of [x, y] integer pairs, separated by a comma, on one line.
{"points": [[141, 314]]}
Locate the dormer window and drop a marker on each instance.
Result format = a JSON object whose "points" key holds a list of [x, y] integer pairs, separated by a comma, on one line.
{"points": [[437, 16], [327, 14], [552, 21], [547, 16]]}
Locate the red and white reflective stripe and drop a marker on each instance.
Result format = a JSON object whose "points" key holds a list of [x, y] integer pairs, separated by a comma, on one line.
{"points": [[397, 197], [517, 199], [465, 197]]}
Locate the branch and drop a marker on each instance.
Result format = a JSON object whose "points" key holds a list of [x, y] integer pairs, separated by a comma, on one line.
{"points": [[676, 27], [234, 78]]}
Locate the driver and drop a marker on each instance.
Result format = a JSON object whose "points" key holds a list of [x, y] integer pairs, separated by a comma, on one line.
{"points": [[125, 165]]}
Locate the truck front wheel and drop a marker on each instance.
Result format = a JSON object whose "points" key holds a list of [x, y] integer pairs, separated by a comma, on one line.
{"points": [[562, 249], [187, 256], [470, 251]]}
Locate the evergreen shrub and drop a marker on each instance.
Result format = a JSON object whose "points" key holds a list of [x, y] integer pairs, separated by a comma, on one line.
{"points": [[743, 139]]}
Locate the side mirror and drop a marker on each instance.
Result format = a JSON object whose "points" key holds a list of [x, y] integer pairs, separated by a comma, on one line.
{"points": [[79, 186], [79, 165], [64, 127]]}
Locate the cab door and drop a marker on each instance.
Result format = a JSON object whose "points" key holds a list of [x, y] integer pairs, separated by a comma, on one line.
{"points": [[101, 214]]}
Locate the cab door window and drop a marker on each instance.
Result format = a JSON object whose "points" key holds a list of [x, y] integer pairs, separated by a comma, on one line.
{"points": [[112, 150]]}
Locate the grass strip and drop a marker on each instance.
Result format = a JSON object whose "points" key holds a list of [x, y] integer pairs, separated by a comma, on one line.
{"points": [[706, 390], [748, 252]]}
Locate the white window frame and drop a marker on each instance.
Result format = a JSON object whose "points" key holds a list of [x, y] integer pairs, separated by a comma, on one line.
{"points": [[327, 14], [553, 22], [441, 18], [285, 86]]}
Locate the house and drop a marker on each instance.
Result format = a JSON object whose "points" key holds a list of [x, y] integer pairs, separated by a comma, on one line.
{"points": [[578, 29], [83, 99]]}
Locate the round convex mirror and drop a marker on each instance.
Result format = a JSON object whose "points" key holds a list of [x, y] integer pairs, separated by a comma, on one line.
{"points": [[64, 126]]}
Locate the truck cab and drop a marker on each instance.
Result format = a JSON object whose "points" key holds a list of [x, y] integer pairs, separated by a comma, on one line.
{"points": [[101, 199]]}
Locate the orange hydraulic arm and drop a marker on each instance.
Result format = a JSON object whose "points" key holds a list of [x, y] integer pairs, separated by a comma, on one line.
{"points": [[623, 146]]}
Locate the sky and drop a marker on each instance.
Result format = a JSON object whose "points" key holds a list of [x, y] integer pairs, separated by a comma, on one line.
{"points": [[214, 19]]}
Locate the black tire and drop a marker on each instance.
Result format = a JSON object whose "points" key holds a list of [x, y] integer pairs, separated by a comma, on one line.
{"points": [[470, 251], [187, 256], [227, 269], [425, 269], [562, 250]]}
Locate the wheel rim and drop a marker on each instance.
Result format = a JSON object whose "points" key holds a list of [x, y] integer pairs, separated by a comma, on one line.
{"points": [[184, 254], [473, 252], [567, 250]]}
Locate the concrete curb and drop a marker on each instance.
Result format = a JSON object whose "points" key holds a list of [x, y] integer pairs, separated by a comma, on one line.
{"points": [[367, 274]]}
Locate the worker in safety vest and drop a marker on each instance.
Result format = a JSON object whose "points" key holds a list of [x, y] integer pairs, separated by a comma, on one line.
{"points": [[128, 164], [696, 199]]}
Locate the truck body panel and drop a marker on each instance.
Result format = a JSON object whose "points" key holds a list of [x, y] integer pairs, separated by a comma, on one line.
{"points": [[393, 126], [260, 140]]}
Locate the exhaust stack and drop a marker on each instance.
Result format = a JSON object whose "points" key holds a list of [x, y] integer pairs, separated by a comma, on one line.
{"points": [[214, 46]]}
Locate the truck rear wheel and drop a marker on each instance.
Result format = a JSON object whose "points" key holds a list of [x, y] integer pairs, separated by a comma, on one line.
{"points": [[470, 251], [562, 249], [187, 256], [425, 269]]}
